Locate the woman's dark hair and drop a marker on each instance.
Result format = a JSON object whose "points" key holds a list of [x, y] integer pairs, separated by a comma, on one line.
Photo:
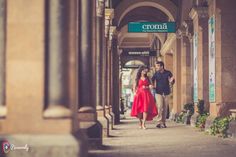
{"points": [[141, 68]]}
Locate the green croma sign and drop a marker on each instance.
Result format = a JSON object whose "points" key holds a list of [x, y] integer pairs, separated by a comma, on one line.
{"points": [[151, 27]]}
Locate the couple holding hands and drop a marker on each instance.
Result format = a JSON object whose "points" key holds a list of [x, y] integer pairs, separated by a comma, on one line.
{"points": [[144, 107]]}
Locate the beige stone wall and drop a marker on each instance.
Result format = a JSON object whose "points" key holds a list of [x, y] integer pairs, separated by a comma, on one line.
{"points": [[168, 60], [176, 46], [224, 12], [228, 47]]}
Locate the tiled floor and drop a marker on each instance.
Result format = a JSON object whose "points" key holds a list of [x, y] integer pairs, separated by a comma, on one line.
{"points": [[178, 140]]}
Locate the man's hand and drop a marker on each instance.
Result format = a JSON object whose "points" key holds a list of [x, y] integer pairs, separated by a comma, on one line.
{"points": [[151, 86], [172, 80]]}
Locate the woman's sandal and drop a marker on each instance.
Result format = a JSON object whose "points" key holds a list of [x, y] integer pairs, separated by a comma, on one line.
{"points": [[144, 127]]}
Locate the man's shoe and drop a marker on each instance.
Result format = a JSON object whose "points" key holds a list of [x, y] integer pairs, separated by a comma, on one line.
{"points": [[158, 125], [164, 126]]}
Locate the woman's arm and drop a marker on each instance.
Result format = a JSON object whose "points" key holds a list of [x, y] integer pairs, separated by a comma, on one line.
{"points": [[134, 88]]}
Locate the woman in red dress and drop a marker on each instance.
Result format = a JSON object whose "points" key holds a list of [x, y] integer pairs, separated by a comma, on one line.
{"points": [[144, 106]]}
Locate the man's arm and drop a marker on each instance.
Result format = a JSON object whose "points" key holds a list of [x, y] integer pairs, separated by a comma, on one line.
{"points": [[171, 78]]}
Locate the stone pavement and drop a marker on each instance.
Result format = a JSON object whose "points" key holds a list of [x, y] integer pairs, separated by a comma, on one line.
{"points": [[178, 140]]}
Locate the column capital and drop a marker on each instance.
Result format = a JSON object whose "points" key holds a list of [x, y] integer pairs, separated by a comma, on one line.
{"points": [[112, 32], [100, 5], [188, 24], [182, 31], [185, 30], [200, 12], [109, 13]]}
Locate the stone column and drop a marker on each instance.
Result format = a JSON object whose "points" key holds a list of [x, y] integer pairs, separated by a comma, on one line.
{"points": [[105, 73], [186, 81], [57, 60], [177, 74], [115, 82], [99, 56], [85, 58], [110, 114], [108, 111], [88, 58], [109, 14], [186, 72], [200, 27], [2, 57], [100, 105], [223, 13]]}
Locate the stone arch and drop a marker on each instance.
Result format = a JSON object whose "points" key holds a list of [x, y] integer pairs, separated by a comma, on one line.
{"points": [[125, 7], [125, 59]]}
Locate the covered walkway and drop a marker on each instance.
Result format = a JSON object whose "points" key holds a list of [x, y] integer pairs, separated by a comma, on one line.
{"points": [[67, 69], [178, 140]]}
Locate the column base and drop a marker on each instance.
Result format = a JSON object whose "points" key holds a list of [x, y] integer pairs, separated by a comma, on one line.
{"points": [[232, 129], [116, 118], [209, 122], [63, 145], [104, 122], [109, 116], [173, 116], [187, 119], [87, 114], [3, 111], [57, 111], [223, 109], [92, 128], [93, 132], [193, 119]]}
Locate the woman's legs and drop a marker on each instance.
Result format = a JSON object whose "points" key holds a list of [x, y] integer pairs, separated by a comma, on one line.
{"points": [[140, 120], [144, 119]]}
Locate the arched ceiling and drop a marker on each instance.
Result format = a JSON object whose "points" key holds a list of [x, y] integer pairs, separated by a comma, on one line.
{"points": [[116, 2], [149, 14], [139, 10]]}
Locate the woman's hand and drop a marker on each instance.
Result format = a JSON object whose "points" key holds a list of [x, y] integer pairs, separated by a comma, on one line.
{"points": [[145, 87]]}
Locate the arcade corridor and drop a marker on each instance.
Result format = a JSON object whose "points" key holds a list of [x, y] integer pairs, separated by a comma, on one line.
{"points": [[68, 67]]}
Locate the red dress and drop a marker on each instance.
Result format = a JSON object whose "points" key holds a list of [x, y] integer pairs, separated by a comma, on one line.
{"points": [[144, 101]]}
